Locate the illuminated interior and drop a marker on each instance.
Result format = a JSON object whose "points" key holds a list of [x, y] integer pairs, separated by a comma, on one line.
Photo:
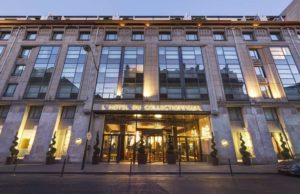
{"points": [[122, 132]]}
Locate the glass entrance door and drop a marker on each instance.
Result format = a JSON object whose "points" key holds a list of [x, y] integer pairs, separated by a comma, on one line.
{"points": [[110, 148], [190, 149], [155, 149]]}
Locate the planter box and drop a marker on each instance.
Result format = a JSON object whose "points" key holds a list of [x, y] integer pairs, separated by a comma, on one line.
{"points": [[247, 161], [11, 160], [50, 160], [213, 161], [142, 158], [171, 158], [96, 160]]}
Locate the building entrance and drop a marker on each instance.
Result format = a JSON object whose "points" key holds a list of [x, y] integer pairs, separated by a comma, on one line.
{"points": [[121, 137]]}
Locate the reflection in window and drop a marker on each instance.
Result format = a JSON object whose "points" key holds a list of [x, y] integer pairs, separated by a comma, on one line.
{"points": [[1, 50], [4, 35], [275, 36], [190, 36], [111, 36], [84, 36], [138, 36], [219, 36], [248, 36], [31, 36], [57, 36], [182, 77], [19, 69], [10, 90], [233, 80], [129, 83], [25, 52], [42, 72], [70, 80], [288, 71], [254, 54], [165, 36]]}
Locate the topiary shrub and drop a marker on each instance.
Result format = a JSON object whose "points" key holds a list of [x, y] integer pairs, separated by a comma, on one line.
{"points": [[246, 156], [142, 156], [50, 159], [285, 151], [12, 159], [96, 153], [171, 156], [213, 154]]}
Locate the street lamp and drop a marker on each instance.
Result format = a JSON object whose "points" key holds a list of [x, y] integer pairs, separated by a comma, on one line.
{"points": [[88, 49]]}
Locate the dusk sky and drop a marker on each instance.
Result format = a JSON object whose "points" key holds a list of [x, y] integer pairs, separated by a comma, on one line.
{"points": [[142, 7]]}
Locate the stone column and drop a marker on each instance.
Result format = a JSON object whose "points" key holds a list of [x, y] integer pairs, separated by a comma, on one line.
{"points": [[10, 128], [79, 130], [221, 128], [290, 120], [47, 124], [261, 139]]}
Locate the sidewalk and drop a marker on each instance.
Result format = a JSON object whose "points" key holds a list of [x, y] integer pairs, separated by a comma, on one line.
{"points": [[124, 168]]}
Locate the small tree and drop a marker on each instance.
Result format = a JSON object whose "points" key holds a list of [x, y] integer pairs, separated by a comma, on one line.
{"points": [[141, 149], [51, 151], [285, 151], [214, 151], [96, 153], [170, 148], [13, 151], [243, 150]]}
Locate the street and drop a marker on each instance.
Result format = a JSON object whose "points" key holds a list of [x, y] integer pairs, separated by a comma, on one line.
{"points": [[144, 184]]}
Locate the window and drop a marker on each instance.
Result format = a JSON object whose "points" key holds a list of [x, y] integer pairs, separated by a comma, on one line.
{"points": [[70, 80], [138, 36], [4, 35], [111, 36], [248, 36], [18, 70], [219, 36], [288, 71], [231, 72], [191, 36], [265, 91], [254, 54], [10, 90], [68, 112], [4, 109], [165, 36], [182, 73], [31, 36], [25, 53], [42, 71], [275, 36], [1, 50], [85, 36], [271, 114], [121, 73], [235, 114], [298, 35], [35, 112], [260, 73], [57, 36]]}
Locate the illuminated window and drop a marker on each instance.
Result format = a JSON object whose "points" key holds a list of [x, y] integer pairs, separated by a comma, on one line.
{"points": [[231, 72], [42, 71], [71, 76], [287, 71], [265, 91]]}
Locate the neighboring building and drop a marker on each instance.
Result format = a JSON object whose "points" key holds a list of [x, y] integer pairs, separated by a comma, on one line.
{"points": [[128, 76]]}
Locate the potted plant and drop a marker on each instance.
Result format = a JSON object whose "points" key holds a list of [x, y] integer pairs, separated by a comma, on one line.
{"points": [[12, 159], [50, 159], [213, 158], [171, 156], [246, 156], [284, 151], [142, 155], [96, 153]]}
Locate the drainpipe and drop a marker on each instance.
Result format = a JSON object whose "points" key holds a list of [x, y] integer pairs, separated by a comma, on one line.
{"points": [[11, 47]]}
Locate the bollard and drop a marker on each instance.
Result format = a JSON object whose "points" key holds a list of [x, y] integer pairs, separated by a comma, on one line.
{"points": [[63, 167], [230, 168], [179, 162], [130, 168]]}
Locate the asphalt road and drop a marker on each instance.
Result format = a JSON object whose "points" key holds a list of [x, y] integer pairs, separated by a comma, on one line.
{"points": [[148, 184]]}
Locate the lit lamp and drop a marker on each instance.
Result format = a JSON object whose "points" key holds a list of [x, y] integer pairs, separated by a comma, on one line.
{"points": [[78, 141], [224, 143]]}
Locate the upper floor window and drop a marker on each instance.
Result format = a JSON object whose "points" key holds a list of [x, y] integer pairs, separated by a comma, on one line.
{"points": [[298, 35], [270, 114], [111, 36], [25, 52], [4, 35], [35, 112], [254, 54], [84, 36], [57, 36], [191, 36], [248, 36], [275, 36], [1, 50], [19, 69], [31, 36], [165, 36], [4, 109], [260, 73], [138, 36], [68, 112], [265, 91], [10, 90], [235, 114], [219, 36]]}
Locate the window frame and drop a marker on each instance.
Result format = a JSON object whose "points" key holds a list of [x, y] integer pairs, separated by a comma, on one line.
{"points": [[108, 33], [278, 35], [251, 35], [161, 33], [219, 33], [18, 74], [84, 33], [195, 33], [6, 89], [29, 33], [21, 56], [138, 33], [4, 32], [56, 32]]}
